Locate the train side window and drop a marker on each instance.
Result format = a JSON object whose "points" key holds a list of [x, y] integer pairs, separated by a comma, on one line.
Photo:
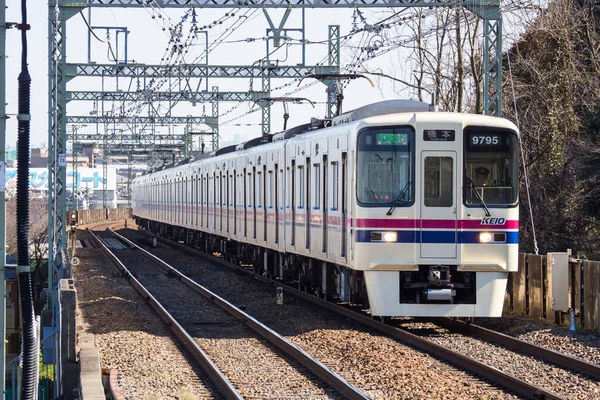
{"points": [[317, 175], [250, 189], [270, 188], [260, 190], [300, 186], [335, 180], [288, 183], [437, 183]]}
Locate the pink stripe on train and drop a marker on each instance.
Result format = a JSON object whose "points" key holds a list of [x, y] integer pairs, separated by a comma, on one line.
{"points": [[496, 223]]}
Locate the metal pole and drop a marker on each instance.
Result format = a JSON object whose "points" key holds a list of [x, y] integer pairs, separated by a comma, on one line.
{"points": [[2, 193]]}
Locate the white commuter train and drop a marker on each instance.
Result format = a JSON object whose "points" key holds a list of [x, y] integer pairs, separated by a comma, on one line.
{"points": [[408, 211]]}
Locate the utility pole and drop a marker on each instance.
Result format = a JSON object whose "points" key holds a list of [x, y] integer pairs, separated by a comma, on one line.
{"points": [[2, 193]]}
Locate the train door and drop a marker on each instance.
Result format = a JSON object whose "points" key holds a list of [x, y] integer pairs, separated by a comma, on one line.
{"points": [[245, 203], [264, 205], [325, 205], [438, 205], [207, 202], [214, 201], [203, 193], [221, 197], [197, 200], [344, 206], [254, 199], [293, 184], [235, 203], [275, 195], [186, 196], [307, 210]]}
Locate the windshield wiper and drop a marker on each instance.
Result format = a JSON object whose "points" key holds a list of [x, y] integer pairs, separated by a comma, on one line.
{"points": [[472, 185], [397, 200]]}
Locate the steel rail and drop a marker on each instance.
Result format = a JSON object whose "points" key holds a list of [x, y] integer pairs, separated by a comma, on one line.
{"points": [[312, 364], [513, 343], [466, 363], [211, 369]]}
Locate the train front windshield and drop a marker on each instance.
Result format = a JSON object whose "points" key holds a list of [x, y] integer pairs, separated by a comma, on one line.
{"points": [[491, 172], [385, 167]]}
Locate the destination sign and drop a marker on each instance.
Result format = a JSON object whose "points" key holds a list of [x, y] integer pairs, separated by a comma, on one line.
{"points": [[392, 138], [439, 135]]}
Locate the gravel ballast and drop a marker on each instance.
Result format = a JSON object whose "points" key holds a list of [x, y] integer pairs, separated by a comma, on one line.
{"points": [[131, 337], [581, 344], [256, 368], [563, 382], [377, 365]]}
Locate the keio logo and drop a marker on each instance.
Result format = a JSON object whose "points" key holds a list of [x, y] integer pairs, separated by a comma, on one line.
{"points": [[493, 221]]}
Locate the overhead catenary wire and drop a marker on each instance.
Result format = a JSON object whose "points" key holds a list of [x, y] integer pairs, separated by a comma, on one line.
{"points": [[391, 45], [159, 13], [231, 29]]}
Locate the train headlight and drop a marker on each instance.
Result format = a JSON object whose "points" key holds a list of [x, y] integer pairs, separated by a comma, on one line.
{"points": [[485, 237], [390, 237]]}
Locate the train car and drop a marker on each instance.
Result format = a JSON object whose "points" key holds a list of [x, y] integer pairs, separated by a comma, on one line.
{"points": [[408, 211]]}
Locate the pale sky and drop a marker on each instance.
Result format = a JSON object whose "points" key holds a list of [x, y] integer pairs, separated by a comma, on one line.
{"points": [[147, 43]]}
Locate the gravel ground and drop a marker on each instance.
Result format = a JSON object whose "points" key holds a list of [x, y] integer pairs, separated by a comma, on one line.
{"points": [[375, 364], [560, 381], [584, 345], [250, 362], [130, 336]]}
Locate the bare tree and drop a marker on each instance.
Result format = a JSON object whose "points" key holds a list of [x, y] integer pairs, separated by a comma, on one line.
{"points": [[556, 92], [38, 230]]}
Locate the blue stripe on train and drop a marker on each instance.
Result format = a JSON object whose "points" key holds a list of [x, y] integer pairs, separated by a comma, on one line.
{"points": [[466, 237]]}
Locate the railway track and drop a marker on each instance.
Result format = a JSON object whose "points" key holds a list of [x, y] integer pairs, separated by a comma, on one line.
{"points": [[271, 347], [465, 362], [542, 353], [151, 361]]}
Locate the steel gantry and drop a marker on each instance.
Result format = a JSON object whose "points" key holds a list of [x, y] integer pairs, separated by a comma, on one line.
{"points": [[60, 72]]}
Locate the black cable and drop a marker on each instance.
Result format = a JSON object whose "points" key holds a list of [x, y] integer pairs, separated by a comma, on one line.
{"points": [[89, 27], [30, 352]]}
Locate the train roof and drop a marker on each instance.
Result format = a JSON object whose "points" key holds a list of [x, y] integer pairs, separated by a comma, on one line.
{"points": [[383, 109]]}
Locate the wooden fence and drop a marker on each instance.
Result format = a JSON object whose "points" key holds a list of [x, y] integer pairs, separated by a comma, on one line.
{"points": [[528, 291]]}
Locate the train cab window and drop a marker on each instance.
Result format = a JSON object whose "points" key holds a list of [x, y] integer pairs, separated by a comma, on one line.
{"points": [[438, 182], [491, 170], [385, 167]]}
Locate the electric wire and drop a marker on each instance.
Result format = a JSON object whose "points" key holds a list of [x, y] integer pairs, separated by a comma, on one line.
{"points": [[390, 46], [527, 186]]}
